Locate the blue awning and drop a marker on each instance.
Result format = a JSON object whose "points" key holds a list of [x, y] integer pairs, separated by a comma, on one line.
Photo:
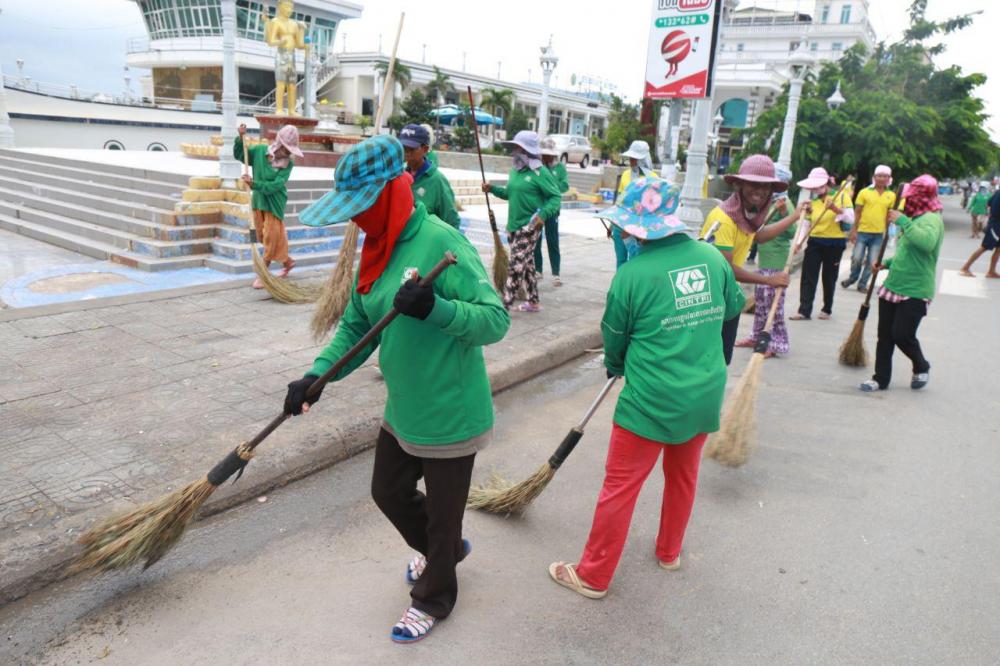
{"points": [[452, 114]]}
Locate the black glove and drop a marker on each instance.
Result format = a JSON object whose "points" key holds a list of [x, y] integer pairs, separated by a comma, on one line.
{"points": [[611, 374], [296, 396], [414, 300]]}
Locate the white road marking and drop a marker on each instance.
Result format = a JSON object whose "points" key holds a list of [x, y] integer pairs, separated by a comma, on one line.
{"points": [[954, 284]]}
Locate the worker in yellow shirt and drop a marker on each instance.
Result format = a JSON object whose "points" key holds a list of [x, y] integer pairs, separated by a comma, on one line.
{"points": [[827, 242], [871, 211]]}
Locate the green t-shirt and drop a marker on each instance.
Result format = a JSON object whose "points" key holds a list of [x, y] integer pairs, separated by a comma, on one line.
{"points": [[433, 190], [662, 329], [558, 171], [978, 204], [774, 253], [528, 192], [435, 375], [913, 269], [270, 192]]}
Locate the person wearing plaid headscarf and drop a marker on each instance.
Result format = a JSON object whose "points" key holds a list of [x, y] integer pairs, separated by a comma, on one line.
{"points": [[439, 409], [909, 288]]}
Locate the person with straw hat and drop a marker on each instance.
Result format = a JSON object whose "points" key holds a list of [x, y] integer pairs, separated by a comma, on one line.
{"points": [[661, 326], [551, 161], [906, 293], [640, 164], [439, 409], [826, 245], [739, 220], [534, 198], [271, 167], [871, 207], [429, 185]]}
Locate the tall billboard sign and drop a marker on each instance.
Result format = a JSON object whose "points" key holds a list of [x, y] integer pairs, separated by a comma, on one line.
{"points": [[682, 40]]}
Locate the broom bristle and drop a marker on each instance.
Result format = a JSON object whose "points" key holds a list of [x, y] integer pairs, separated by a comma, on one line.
{"points": [[283, 290], [336, 293], [732, 444], [498, 496], [146, 533], [501, 264], [853, 352]]}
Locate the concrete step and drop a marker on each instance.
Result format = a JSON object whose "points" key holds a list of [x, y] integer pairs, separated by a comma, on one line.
{"points": [[246, 266], [240, 234], [130, 172], [69, 201], [85, 172], [95, 248], [581, 180], [111, 192], [241, 251]]}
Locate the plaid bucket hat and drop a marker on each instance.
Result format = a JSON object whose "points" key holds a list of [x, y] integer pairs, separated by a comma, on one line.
{"points": [[648, 209], [358, 180]]}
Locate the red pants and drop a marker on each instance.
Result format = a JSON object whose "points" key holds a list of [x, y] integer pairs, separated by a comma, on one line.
{"points": [[630, 460]]}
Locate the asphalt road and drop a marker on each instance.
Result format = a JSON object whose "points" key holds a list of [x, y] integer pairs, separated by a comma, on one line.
{"points": [[863, 530]]}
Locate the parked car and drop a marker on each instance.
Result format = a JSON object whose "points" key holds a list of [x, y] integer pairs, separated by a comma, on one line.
{"points": [[572, 148]]}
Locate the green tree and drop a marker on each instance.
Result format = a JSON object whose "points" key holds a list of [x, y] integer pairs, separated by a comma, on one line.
{"points": [[416, 108], [400, 75], [438, 86], [464, 140], [623, 128], [901, 110], [516, 121], [497, 99]]}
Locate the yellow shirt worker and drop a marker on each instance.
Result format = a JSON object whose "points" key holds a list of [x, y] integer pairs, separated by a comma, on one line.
{"points": [[872, 208]]}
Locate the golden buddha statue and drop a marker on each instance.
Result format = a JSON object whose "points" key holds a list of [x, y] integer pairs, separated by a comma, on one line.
{"points": [[286, 34]]}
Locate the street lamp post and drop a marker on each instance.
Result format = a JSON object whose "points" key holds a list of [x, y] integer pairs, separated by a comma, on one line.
{"points": [[836, 100], [20, 69], [229, 168], [799, 66], [548, 61]]}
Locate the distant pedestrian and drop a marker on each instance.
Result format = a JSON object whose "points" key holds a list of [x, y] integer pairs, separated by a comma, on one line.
{"points": [[430, 187], [827, 242], [533, 197], [871, 210], [271, 167], [639, 164], [978, 209], [910, 286], [991, 241], [551, 161], [661, 328], [740, 220]]}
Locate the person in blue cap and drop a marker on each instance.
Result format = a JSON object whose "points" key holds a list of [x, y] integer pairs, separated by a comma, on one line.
{"points": [[439, 409], [430, 187]]}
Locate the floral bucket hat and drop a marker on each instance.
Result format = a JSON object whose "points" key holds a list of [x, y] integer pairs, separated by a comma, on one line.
{"points": [[647, 210]]}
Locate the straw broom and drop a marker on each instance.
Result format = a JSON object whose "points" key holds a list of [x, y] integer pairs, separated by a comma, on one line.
{"points": [[501, 497], [148, 532], [336, 293], [731, 445], [853, 352], [501, 260]]}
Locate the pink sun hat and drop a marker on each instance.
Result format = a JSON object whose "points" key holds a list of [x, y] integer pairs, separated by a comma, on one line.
{"points": [[818, 177], [757, 169]]}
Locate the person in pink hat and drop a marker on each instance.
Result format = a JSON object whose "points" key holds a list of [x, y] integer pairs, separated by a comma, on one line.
{"points": [[739, 220], [827, 242], [271, 165]]}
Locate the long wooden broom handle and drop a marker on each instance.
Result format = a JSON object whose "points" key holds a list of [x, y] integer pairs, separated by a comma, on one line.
{"points": [[479, 152], [779, 292], [881, 252], [388, 76], [375, 330]]}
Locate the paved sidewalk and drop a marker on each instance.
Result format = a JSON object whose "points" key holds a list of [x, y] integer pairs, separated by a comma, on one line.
{"points": [[111, 405]]}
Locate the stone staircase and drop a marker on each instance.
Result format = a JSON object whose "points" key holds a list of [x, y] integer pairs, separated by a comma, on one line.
{"points": [[128, 215]]}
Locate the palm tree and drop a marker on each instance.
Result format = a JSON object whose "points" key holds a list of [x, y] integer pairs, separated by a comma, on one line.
{"points": [[438, 86], [400, 75], [496, 99]]}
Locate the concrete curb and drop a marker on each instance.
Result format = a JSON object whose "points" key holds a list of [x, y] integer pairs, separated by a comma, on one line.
{"points": [[349, 438]]}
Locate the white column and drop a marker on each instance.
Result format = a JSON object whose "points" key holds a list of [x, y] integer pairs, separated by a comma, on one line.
{"points": [[6, 131], [697, 165], [791, 116], [229, 168], [309, 99], [543, 107]]}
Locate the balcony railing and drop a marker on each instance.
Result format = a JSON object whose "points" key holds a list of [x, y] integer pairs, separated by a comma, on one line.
{"points": [[778, 29]]}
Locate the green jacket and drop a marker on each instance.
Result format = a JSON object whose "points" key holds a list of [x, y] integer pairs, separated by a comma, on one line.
{"points": [[562, 178], [432, 188], [662, 330], [774, 253], [438, 390], [977, 206], [913, 269], [270, 192], [529, 192]]}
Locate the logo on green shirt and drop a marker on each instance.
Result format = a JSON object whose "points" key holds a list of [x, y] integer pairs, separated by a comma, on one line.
{"points": [[691, 286]]}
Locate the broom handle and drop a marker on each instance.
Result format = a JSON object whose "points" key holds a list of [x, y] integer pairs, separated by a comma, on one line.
{"points": [[780, 291], [375, 330], [388, 77], [246, 170], [881, 255], [479, 152], [576, 434]]}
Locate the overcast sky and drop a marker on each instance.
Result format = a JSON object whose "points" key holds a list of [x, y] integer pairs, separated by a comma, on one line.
{"points": [[83, 41]]}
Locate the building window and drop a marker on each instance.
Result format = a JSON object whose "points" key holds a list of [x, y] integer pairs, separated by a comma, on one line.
{"points": [[813, 47], [112, 144], [739, 48], [845, 14], [367, 106], [825, 14], [837, 46]]}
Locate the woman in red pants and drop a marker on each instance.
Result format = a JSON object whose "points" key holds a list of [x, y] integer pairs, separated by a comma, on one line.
{"points": [[665, 337]]}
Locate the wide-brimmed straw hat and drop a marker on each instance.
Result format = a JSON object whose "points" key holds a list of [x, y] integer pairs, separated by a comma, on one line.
{"points": [[647, 210], [818, 178], [527, 140], [358, 180], [757, 169]]}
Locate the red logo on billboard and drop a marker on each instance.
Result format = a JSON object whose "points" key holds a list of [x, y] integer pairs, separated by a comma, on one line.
{"points": [[675, 47], [693, 5]]}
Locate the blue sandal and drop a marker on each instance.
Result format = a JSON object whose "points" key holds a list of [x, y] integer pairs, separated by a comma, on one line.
{"points": [[415, 567], [412, 627]]}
